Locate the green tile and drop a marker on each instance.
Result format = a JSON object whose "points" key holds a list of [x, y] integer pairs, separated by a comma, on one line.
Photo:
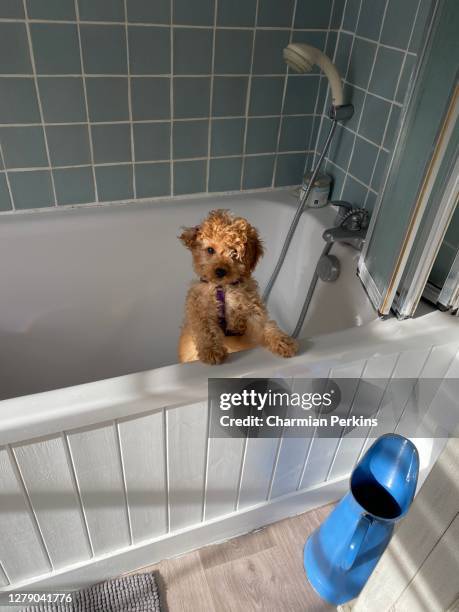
{"points": [[370, 20], [51, 9], [301, 94], [68, 145], [275, 14], [351, 14], [338, 178], [233, 51], [341, 146], [14, 49], [269, 45], [18, 101], [227, 136], [191, 97], [56, 48], [354, 192], [361, 61], [258, 171], [23, 147], [153, 180], [190, 177], [363, 160], [392, 127], [343, 51], [149, 50], [290, 169], [104, 49], [229, 96], [266, 95], [62, 99], [225, 174], [236, 13], [31, 189], [374, 117], [295, 133], [146, 11], [198, 12], [371, 201], [74, 185], [312, 14], [380, 171], [262, 135], [399, 22], [11, 9], [150, 98], [101, 89], [5, 201], [386, 72], [337, 14], [111, 143], [114, 182], [152, 141], [101, 10], [423, 20], [190, 139], [407, 74], [192, 51]]}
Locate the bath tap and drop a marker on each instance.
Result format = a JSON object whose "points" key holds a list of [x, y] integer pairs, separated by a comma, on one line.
{"points": [[351, 228]]}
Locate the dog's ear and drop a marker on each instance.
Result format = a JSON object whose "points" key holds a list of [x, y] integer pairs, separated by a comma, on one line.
{"points": [[254, 248], [189, 236]]}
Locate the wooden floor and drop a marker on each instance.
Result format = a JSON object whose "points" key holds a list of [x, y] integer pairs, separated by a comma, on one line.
{"points": [[258, 571]]}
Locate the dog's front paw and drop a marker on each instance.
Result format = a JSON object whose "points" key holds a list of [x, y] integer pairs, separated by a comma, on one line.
{"points": [[284, 345], [212, 355]]}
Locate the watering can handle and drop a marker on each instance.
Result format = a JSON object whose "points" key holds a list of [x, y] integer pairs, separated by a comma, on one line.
{"points": [[356, 542]]}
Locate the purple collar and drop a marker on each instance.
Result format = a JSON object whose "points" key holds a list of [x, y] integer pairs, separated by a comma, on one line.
{"points": [[220, 296]]}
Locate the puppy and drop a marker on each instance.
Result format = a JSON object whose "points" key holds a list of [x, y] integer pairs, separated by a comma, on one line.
{"points": [[224, 312]]}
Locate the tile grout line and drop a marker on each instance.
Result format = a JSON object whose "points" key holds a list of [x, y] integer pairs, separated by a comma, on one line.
{"points": [[145, 200], [321, 80], [143, 24], [7, 178], [284, 93], [150, 161], [247, 98], [37, 91], [211, 97], [393, 103], [319, 131], [85, 95], [171, 98], [125, 121], [366, 91], [129, 84]]}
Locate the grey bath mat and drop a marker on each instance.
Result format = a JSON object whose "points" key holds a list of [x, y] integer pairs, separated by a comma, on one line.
{"points": [[134, 593]]}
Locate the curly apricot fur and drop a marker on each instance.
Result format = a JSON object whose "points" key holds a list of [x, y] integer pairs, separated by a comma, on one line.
{"points": [[225, 242]]}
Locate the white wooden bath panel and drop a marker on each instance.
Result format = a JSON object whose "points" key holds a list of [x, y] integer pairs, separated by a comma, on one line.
{"points": [[106, 477]]}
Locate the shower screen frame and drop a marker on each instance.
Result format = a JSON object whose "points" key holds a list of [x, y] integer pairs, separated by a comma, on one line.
{"points": [[427, 122]]}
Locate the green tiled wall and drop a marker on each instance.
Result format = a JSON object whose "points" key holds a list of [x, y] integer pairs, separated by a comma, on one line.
{"points": [[106, 100]]}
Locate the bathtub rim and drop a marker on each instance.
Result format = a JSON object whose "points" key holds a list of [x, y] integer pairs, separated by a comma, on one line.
{"points": [[44, 414]]}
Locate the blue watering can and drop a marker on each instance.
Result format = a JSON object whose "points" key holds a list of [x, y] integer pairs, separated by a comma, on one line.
{"points": [[342, 553]]}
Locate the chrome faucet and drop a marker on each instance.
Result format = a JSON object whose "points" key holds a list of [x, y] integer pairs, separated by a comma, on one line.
{"points": [[351, 228]]}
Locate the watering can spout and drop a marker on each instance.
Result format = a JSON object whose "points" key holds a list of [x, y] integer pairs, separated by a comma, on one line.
{"points": [[340, 556]]}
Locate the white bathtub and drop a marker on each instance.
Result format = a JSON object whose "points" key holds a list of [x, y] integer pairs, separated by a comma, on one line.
{"points": [[102, 477]]}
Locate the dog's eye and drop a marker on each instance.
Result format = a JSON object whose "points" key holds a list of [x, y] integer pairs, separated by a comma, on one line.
{"points": [[210, 250]]}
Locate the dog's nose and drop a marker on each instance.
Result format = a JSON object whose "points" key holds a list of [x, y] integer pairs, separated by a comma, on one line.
{"points": [[220, 272]]}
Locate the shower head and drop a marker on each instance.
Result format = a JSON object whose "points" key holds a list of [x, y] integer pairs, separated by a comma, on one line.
{"points": [[301, 58]]}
